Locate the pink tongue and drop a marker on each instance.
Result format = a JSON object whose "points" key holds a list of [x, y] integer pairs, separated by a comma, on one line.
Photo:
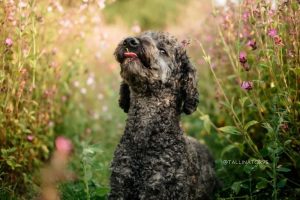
{"points": [[130, 55]]}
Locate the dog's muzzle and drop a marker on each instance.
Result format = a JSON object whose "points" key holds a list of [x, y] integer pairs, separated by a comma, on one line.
{"points": [[133, 50], [131, 42]]}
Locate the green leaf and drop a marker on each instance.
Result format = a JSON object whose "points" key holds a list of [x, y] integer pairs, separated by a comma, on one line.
{"points": [[283, 169], [278, 150], [263, 166], [231, 77], [246, 186], [262, 184], [282, 183], [295, 70], [287, 142], [236, 186], [7, 152], [230, 129], [248, 169], [206, 122], [249, 124], [88, 175], [227, 105], [101, 191], [229, 148], [264, 152], [88, 151], [268, 127], [262, 65], [243, 100], [270, 174]]}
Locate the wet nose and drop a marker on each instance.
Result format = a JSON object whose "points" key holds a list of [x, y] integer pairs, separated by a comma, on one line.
{"points": [[131, 42]]}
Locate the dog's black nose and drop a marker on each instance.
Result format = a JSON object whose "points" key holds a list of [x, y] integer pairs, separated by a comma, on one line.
{"points": [[131, 42]]}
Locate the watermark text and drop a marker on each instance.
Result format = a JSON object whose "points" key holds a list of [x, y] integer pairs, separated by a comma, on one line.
{"points": [[245, 162]]}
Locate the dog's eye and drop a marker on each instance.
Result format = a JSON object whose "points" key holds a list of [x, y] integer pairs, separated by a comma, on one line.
{"points": [[163, 52]]}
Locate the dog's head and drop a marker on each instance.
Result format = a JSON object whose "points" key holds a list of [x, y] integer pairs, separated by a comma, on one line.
{"points": [[153, 62]]}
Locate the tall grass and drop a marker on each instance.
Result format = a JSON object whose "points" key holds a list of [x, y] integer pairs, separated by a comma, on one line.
{"points": [[58, 77], [255, 118], [41, 59], [28, 99]]}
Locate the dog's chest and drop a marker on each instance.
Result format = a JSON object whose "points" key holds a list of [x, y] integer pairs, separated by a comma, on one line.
{"points": [[152, 132]]}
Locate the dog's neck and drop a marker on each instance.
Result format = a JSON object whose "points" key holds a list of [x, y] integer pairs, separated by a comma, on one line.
{"points": [[152, 117], [162, 106]]}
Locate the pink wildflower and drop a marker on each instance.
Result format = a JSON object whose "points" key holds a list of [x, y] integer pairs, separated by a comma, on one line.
{"points": [[8, 42], [247, 85], [277, 40], [30, 137], [271, 13], [272, 32], [63, 145], [246, 16], [252, 44], [243, 57]]}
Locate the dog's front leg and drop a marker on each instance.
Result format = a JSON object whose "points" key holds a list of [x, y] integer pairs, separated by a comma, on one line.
{"points": [[121, 181]]}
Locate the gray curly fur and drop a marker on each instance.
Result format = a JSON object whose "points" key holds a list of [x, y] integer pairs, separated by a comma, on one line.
{"points": [[154, 159]]}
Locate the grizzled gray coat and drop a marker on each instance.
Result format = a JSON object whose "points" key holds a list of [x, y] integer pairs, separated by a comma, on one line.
{"points": [[154, 159]]}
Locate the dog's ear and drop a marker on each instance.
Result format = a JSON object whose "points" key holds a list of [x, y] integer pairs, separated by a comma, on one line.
{"points": [[124, 101], [188, 82]]}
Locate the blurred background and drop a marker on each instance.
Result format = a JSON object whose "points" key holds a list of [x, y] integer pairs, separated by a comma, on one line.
{"points": [[60, 82]]}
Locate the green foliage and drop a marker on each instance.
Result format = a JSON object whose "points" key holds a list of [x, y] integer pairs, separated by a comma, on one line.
{"points": [[256, 111], [38, 77], [75, 191], [27, 100], [88, 186], [149, 14]]}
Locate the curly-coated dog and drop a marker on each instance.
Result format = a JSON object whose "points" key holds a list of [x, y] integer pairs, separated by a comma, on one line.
{"points": [[154, 160]]}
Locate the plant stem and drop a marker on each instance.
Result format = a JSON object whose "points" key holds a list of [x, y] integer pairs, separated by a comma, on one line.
{"points": [[86, 184]]}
